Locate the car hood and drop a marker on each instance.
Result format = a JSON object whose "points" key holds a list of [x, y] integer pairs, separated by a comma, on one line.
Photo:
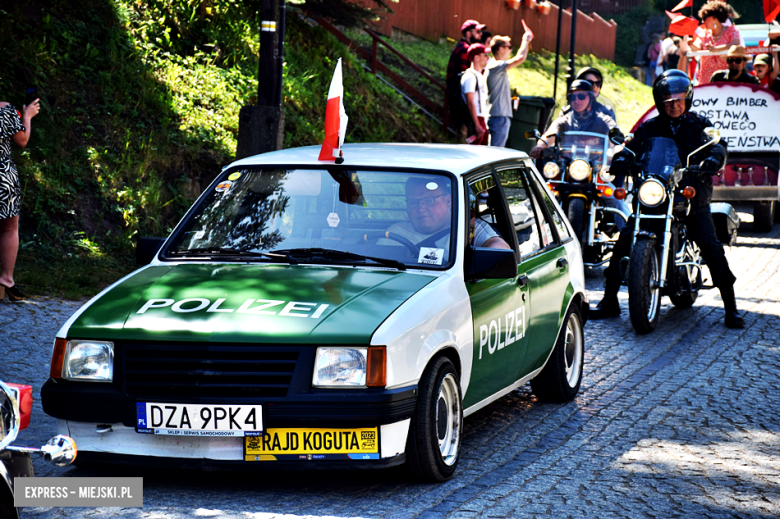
{"points": [[278, 304]]}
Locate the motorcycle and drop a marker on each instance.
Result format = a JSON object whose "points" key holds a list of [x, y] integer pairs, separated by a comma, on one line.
{"points": [[659, 234], [577, 172], [15, 409]]}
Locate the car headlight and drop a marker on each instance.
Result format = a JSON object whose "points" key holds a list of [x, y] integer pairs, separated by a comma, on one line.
{"points": [[551, 170], [652, 193], [579, 170], [605, 175], [89, 361], [344, 367]]}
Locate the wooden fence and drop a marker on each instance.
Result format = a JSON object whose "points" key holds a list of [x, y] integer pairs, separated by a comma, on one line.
{"points": [[432, 19]]}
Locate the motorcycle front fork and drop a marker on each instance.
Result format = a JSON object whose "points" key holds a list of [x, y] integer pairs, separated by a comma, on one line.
{"points": [[666, 246]]}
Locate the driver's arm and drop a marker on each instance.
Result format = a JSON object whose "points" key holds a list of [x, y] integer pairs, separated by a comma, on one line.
{"points": [[496, 242]]}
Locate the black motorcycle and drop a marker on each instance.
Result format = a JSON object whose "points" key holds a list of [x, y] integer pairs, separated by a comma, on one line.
{"points": [[664, 261], [577, 172]]}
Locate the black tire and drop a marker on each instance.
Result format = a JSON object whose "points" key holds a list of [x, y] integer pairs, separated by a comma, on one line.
{"points": [[437, 417], [644, 293], [561, 377], [576, 215], [763, 216]]}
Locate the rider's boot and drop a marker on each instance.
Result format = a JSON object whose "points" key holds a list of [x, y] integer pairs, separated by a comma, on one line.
{"points": [[609, 305], [733, 319]]}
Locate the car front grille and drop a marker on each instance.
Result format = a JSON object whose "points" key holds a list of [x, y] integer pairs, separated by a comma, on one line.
{"points": [[186, 371]]}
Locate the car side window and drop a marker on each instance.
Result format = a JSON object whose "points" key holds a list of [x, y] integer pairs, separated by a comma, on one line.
{"points": [[523, 208], [552, 208], [488, 222]]}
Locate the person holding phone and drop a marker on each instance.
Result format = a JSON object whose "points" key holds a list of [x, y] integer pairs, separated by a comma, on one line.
{"points": [[14, 127]]}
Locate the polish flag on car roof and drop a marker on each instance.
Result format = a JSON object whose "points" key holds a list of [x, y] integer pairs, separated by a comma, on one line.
{"points": [[335, 119]]}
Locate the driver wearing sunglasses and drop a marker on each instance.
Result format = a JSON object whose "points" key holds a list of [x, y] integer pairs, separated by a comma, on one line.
{"points": [[582, 117], [736, 59]]}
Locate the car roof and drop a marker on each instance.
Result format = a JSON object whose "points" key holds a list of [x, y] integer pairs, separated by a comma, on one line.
{"points": [[455, 158]]}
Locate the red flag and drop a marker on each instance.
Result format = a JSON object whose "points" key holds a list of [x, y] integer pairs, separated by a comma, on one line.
{"points": [[527, 29], [771, 10], [682, 25], [335, 118], [683, 5]]}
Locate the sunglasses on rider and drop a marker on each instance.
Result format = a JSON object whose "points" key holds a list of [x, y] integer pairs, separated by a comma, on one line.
{"points": [[578, 97], [736, 61]]}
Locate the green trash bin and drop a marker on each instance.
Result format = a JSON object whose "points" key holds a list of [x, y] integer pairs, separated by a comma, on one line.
{"points": [[531, 114]]}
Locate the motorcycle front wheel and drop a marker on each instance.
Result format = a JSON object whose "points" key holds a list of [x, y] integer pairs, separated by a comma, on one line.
{"points": [[644, 286], [576, 216]]}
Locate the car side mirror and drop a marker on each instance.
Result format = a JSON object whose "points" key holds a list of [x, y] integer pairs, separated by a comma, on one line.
{"points": [[534, 134], [486, 263], [146, 249], [616, 136]]}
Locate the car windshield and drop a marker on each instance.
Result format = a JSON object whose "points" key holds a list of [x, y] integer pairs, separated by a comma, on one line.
{"points": [[329, 215]]}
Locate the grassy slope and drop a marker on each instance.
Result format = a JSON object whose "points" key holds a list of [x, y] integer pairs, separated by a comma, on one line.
{"points": [[533, 78], [140, 111]]}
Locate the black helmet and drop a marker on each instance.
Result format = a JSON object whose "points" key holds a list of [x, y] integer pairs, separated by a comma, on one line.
{"points": [[589, 70], [580, 84], [672, 82]]}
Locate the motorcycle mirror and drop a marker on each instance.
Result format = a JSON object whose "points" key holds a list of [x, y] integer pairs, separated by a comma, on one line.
{"points": [[10, 417], [533, 134], [712, 134], [713, 137], [616, 136]]}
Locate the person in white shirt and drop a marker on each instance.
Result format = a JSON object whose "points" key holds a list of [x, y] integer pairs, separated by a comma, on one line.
{"points": [[475, 94]]}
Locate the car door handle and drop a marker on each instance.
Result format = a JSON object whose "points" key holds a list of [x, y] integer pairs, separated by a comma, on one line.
{"points": [[562, 262], [522, 281]]}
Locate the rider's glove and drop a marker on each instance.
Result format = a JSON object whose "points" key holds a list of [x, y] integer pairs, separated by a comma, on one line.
{"points": [[620, 163], [710, 165]]}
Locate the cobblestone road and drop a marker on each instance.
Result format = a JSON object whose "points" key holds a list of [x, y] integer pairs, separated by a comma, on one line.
{"points": [[683, 422]]}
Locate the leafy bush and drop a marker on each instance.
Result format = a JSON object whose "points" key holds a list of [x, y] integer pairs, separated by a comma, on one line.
{"points": [[140, 102]]}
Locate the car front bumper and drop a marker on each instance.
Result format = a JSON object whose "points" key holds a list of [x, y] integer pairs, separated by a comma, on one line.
{"points": [[117, 442]]}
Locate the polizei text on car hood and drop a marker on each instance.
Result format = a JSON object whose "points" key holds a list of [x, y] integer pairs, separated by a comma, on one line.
{"points": [[248, 303]]}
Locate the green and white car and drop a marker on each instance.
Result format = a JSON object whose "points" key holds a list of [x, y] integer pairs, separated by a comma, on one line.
{"points": [[335, 315]]}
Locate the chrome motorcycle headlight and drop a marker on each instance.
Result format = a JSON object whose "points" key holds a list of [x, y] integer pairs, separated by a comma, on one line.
{"points": [[605, 175], [579, 170], [652, 193], [551, 170]]}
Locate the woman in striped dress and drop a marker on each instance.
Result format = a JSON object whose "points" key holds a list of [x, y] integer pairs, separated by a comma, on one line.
{"points": [[14, 127]]}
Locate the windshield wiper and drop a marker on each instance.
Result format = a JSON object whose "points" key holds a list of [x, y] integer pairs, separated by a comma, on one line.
{"points": [[234, 252], [331, 253]]}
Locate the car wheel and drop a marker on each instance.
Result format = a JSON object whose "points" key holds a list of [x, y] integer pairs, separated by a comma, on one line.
{"points": [[433, 445], [561, 377]]}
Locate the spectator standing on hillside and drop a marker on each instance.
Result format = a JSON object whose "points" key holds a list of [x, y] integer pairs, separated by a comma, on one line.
{"points": [[717, 37], [667, 44], [672, 55], [458, 62], [765, 68], [653, 51], [499, 92], [14, 128], [475, 93], [736, 59]]}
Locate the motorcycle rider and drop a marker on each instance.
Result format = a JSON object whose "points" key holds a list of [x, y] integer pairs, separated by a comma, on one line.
{"points": [[673, 95], [582, 117]]}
